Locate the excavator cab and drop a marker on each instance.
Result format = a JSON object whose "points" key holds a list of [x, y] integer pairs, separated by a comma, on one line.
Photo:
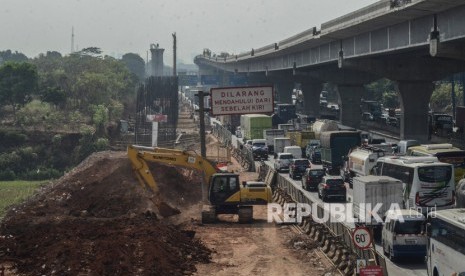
{"points": [[223, 187]]}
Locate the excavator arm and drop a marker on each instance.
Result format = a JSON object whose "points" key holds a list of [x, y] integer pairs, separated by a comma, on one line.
{"points": [[140, 155]]}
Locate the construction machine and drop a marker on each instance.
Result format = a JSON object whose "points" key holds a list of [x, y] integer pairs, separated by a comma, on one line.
{"points": [[226, 195]]}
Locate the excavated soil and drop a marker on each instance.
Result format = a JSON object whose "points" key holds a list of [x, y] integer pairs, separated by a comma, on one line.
{"points": [[97, 220]]}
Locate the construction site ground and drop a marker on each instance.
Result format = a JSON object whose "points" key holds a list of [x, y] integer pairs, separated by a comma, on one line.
{"points": [[98, 220]]}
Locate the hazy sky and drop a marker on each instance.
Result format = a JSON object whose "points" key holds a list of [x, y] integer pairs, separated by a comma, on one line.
{"points": [[121, 26]]}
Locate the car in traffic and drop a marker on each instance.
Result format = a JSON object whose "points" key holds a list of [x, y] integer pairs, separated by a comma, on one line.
{"points": [[367, 116], [332, 187], [282, 161], [311, 178], [259, 149], [392, 121], [297, 167]]}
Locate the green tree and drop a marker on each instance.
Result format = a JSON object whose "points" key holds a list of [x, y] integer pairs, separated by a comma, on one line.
{"points": [[53, 95], [18, 82], [441, 99], [135, 64], [390, 99], [376, 89], [8, 55]]}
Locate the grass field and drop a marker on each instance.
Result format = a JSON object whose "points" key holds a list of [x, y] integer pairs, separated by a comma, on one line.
{"points": [[12, 192]]}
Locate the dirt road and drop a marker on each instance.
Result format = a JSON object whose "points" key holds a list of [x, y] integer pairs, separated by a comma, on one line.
{"points": [[258, 249]]}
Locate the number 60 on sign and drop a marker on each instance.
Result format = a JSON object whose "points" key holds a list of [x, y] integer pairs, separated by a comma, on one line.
{"points": [[361, 237]]}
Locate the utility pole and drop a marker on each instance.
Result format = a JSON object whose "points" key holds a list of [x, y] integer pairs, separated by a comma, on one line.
{"points": [[174, 54], [202, 110], [72, 39]]}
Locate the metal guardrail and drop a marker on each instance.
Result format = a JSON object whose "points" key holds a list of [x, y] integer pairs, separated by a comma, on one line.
{"points": [[243, 154], [338, 230]]}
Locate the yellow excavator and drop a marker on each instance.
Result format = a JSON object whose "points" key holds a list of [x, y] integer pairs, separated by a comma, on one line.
{"points": [[226, 195]]}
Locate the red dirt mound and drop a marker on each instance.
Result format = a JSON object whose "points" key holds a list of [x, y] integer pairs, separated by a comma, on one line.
{"points": [[97, 220]]}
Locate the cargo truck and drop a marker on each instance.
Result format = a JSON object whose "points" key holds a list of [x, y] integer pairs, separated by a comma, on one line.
{"points": [[280, 144], [301, 138], [380, 192], [361, 161], [284, 113], [269, 135], [252, 125], [323, 125], [334, 146]]}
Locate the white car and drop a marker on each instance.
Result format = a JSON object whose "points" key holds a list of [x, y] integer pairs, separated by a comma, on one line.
{"points": [[282, 161]]}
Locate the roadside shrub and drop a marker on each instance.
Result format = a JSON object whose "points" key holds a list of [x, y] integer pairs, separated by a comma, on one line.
{"points": [[41, 174], [11, 138], [101, 144], [7, 175]]}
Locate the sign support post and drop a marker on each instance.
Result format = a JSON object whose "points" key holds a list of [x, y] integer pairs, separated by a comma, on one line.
{"points": [[202, 110]]}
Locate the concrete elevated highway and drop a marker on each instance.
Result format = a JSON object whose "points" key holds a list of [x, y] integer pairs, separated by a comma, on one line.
{"points": [[411, 42]]}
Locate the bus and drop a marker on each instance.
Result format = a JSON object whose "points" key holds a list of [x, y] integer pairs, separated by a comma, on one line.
{"points": [[427, 183], [446, 242], [445, 153]]}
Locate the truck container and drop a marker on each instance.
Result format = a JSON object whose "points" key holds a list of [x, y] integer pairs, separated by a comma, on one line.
{"points": [[441, 124], [335, 145], [300, 138], [303, 137], [269, 135], [286, 127], [285, 112], [280, 144], [323, 125], [371, 190], [252, 125], [296, 151]]}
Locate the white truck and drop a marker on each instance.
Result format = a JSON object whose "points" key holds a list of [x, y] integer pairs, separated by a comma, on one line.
{"points": [[269, 135], [378, 194], [296, 151], [280, 144], [403, 145], [361, 160]]}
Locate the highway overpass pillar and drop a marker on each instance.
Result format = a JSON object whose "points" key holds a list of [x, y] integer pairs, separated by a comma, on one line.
{"points": [[349, 104], [311, 92], [414, 100], [284, 91]]}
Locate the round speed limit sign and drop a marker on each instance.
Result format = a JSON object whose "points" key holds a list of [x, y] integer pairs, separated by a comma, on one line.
{"points": [[361, 237]]}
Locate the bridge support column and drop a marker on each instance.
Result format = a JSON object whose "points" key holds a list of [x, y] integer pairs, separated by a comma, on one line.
{"points": [[284, 91], [349, 104], [414, 99], [311, 92]]}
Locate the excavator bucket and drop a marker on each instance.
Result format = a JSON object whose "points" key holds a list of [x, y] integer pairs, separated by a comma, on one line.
{"points": [[165, 210]]}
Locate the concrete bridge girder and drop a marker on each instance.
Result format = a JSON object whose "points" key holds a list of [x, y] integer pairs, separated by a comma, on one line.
{"points": [[419, 68]]}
